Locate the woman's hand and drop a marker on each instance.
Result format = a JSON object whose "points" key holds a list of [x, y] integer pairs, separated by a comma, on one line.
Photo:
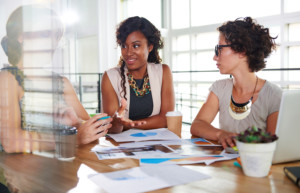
{"points": [[226, 138], [127, 123], [93, 129]]}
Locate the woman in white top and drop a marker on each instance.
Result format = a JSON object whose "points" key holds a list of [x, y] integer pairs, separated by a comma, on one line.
{"points": [[244, 100], [138, 92]]}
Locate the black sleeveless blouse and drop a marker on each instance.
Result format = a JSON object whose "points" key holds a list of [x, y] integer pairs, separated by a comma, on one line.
{"points": [[140, 107]]}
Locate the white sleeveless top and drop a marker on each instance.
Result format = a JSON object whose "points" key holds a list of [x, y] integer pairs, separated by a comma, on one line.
{"points": [[155, 74]]}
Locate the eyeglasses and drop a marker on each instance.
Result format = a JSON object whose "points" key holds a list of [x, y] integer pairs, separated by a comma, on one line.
{"points": [[218, 47]]}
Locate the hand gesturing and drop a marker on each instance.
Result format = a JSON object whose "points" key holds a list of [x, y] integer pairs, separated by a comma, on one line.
{"points": [[128, 123]]}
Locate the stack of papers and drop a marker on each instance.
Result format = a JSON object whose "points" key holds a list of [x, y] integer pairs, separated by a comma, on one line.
{"points": [[132, 152], [194, 142], [160, 153], [159, 147], [147, 178]]}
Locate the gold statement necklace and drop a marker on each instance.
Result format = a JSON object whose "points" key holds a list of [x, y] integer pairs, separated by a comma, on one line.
{"points": [[139, 92], [241, 110]]}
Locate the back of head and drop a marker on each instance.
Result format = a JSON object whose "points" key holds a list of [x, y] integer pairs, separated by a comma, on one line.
{"points": [[29, 21], [246, 36], [151, 33]]}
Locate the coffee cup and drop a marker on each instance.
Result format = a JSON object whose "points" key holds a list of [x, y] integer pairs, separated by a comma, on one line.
{"points": [[65, 143], [174, 122]]}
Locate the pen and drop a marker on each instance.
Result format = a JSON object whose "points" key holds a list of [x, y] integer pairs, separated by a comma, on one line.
{"points": [[237, 164], [102, 118]]}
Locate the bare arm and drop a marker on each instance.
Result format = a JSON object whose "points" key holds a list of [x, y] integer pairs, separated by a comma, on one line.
{"points": [[202, 127], [73, 101], [272, 122], [110, 102], [89, 129]]}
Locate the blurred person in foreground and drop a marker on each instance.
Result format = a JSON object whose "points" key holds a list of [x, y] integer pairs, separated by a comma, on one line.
{"points": [[35, 102]]}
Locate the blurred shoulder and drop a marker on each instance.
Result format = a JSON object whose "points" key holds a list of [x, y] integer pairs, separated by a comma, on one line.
{"points": [[114, 70], [7, 76], [166, 68], [272, 90], [223, 83]]}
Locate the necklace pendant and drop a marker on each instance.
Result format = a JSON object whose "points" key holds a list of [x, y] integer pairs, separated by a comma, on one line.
{"points": [[239, 111]]}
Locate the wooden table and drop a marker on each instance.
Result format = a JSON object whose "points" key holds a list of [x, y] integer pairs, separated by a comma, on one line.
{"points": [[32, 173]]}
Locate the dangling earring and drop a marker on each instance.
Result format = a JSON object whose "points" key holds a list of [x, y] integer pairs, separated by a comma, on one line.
{"points": [[121, 61]]}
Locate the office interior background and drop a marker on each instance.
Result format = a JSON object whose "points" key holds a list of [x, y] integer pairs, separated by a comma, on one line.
{"points": [[189, 31]]}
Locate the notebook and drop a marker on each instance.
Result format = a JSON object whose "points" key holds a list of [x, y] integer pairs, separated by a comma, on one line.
{"points": [[288, 128], [293, 173]]}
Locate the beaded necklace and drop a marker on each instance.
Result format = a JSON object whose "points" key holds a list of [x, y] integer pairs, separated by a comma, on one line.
{"points": [[240, 111], [139, 92]]}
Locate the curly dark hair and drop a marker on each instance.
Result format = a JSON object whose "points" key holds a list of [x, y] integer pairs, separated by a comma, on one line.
{"points": [[151, 33], [246, 36]]}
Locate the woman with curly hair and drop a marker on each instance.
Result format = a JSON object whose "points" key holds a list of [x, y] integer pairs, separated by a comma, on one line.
{"points": [[139, 91], [245, 99]]}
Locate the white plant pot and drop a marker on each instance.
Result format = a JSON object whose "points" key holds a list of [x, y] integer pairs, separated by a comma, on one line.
{"points": [[256, 158]]}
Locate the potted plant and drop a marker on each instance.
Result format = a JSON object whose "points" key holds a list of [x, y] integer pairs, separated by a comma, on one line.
{"points": [[256, 148]]}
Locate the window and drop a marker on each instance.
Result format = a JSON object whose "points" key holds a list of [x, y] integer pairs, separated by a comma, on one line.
{"points": [[193, 36], [291, 6], [294, 31], [151, 10], [190, 36], [179, 17], [216, 11]]}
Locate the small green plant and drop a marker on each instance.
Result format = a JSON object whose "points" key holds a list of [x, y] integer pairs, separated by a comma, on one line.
{"points": [[256, 135]]}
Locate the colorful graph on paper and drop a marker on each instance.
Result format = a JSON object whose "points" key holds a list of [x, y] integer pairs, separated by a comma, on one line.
{"points": [[187, 160], [142, 135]]}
